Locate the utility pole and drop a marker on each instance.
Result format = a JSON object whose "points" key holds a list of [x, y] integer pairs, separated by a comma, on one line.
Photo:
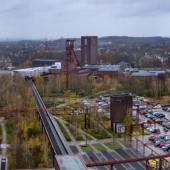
{"points": [[86, 120]]}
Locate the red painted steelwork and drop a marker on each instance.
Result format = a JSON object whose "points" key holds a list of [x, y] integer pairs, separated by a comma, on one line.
{"points": [[115, 162]]}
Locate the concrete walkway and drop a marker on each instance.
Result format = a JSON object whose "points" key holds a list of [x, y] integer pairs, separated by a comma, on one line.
{"points": [[4, 146], [4, 139], [91, 142], [83, 132]]}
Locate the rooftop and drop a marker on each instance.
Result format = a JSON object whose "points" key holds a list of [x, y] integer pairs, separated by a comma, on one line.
{"points": [[71, 162], [103, 67], [43, 60], [142, 73]]}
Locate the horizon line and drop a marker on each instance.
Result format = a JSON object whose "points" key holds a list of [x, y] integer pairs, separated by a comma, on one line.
{"points": [[62, 37]]}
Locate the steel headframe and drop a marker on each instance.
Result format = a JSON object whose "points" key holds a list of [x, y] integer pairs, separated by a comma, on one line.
{"points": [[71, 58]]}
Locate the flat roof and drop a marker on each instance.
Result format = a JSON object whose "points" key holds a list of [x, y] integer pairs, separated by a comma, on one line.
{"points": [[44, 60], [120, 94], [70, 162], [145, 73], [31, 69]]}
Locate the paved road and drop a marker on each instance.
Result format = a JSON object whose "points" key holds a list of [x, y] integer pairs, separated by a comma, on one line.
{"points": [[4, 140], [4, 160]]}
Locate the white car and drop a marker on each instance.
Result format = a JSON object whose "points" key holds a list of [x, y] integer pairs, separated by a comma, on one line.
{"points": [[157, 106], [167, 137]]}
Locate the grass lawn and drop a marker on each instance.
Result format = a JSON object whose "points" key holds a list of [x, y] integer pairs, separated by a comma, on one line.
{"points": [[113, 145], [98, 134], [9, 129], [166, 99], [66, 135], [99, 147], [137, 131], [79, 137], [88, 137], [86, 148], [146, 132]]}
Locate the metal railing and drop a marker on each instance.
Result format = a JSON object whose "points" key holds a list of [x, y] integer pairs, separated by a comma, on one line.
{"points": [[53, 132]]}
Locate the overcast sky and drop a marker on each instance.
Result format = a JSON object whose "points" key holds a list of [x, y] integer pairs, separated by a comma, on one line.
{"points": [[73, 18]]}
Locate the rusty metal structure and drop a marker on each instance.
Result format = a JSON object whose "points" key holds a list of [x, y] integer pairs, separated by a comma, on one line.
{"points": [[71, 61], [146, 159], [120, 106]]}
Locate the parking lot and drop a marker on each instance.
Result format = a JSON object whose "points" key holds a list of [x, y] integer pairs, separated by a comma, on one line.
{"points": [[152, 117], [155, 119]]}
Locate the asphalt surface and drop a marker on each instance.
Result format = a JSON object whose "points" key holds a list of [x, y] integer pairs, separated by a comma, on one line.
{"points": [[4, 139], [124, 154], [94, 158], [110, 158], [74, 149], [3, 159]]}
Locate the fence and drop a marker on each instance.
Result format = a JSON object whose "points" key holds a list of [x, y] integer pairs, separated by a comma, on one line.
{"points": [[146, 150]]}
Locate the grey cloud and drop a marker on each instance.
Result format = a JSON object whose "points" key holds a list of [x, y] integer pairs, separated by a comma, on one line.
{"points": [[55, 18]]}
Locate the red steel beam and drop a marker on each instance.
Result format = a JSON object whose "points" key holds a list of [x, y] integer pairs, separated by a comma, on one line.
{"points": [[114, 162]]}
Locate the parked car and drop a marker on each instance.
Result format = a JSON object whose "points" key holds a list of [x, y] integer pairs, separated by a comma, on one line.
{"points": [[158, 142], [158, 106], [159, 115], [166, 147], [165, 129], [146, 125], [143, 112], [154, 130], [150, 111], [147, 115], [153, 138], [167, 137], [167, 126], [163, 143], [162, 136], [165, 123], [166, 109], [150, 116]]}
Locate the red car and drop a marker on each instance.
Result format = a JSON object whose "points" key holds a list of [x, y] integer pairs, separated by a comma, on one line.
{"points": [[143, 112], [162, 144]]}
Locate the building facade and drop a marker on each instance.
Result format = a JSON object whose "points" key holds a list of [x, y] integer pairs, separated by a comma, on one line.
{"points": [[120, 106], [42, 62], [88, 50]]}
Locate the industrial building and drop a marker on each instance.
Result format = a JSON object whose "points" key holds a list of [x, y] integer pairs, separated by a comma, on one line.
{"points": [[35, 71], [120, 106], [43, 62], [88, 50], [107, 70], [31, 72]]}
